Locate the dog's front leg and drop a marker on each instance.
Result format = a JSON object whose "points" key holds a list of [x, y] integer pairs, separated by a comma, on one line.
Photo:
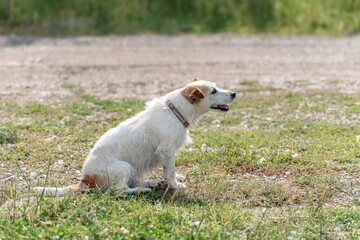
{"points": [[168, 163], [169, 174]]}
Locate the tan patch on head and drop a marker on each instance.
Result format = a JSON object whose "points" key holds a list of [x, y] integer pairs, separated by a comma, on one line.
{"points": [[93, 181], [195, 92], [194, 80]]}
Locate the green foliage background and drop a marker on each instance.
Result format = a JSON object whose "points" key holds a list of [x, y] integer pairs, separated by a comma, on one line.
{"points": [[177, 16]]}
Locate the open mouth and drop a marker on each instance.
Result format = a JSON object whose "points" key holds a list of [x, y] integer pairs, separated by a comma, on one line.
{"points": [[222, 107]]}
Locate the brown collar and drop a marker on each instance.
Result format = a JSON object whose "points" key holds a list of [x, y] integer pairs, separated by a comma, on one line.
{"points": [[177, 113]]}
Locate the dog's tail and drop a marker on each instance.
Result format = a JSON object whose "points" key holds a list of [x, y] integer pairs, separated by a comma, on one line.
{"points": [[57, 192], [93, 181]]}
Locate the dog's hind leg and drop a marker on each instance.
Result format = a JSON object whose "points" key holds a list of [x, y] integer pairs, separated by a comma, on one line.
{"points": [[121, 175], [124, 179]]}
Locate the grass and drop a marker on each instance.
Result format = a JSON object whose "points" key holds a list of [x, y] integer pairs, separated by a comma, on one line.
{"points": [[161, 16], [7, 136], [277, 166]]}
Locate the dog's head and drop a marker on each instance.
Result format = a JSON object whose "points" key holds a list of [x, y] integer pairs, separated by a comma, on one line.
{"points": [[207, 96]]}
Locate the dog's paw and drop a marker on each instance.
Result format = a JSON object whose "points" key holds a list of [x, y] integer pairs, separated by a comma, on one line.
{"points": [[133, 190], [181, 185], [145, 190], [177, 185], [154, 184], [150, 184], [180, 177]]}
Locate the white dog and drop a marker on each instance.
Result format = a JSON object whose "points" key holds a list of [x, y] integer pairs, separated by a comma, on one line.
{"points": [[126, 154]]}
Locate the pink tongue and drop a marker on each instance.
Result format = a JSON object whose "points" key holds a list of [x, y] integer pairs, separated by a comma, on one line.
{"points": [[224, 106]]}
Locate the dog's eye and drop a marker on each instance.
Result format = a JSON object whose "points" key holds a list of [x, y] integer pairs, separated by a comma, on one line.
{"points": [[213, 91]]}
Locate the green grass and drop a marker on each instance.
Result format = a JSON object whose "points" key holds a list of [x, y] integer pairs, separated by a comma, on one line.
{"points": [[277, 166], [7, 136], [121, 16]]}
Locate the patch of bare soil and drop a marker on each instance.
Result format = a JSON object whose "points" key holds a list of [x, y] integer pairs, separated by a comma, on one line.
{"points": [[40, 68]]}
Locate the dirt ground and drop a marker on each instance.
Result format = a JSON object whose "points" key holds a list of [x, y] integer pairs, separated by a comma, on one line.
{"points": [[40, 68]]}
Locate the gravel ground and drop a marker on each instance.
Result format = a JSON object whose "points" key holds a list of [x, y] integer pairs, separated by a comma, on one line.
{"points": [[38, 68]]}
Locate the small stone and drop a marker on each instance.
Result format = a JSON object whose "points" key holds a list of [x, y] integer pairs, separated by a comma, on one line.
{"points": [[124, 231], [215, 121], [358, 138]]}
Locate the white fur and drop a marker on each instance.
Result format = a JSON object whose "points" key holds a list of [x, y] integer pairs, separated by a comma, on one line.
{"points": [[126, 154]]}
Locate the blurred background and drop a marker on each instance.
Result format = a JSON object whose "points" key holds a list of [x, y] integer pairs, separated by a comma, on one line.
{"points": [[56, 17], [144, 48]]}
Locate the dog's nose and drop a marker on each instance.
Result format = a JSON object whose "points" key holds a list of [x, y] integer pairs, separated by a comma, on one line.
{"points": [[233, 95]]}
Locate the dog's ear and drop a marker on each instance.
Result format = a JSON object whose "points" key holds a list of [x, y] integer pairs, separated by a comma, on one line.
{"points": [[195, 95], [194, 80]]}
